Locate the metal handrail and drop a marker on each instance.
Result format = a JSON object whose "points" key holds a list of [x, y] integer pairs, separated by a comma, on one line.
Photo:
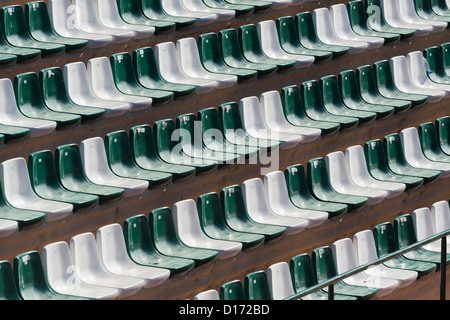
{"points": [[331, 281]]}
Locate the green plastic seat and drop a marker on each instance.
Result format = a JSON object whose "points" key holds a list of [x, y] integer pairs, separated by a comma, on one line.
{"points": [[17, 33], [436, 65], [379, 169], [386, 86], [256, 286], [168, 243], [378, 23], [141, 248], [126, 80], [320, 186], [170, 150], [30, 279], [121, 161], [425, 11], [232, 54], [289, 40], [41, 29], [7, 60], [445, 49], [440, 7], [44, 180], [231, 121], [300, 194], [154, 10], [56, 98], [252, 50], [232, 290], [147, 74], [260, 5], [386, 243], [351, 96], [369, 93], [240, 9], [314, 107], [303, 278], [237, 218], [8, 290], [30, 102], [359, 22], [324, 268], [211, 58], [443, 130], [397, 162], [72, 177], [131, 12], [332, 101], [9, 133], [213, 223], [405, 235], [295, 113], [430, 143], [145, 154], [308, 36]]}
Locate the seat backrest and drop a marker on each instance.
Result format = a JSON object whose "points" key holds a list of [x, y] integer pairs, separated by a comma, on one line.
{"points": [[305, 26], [349, 85], [440, 215], [100, 76], [405, 233], [428, 137], [357, 164], [311, 95], [229, 44], [317, 174], [375, 155], [232, 290], [254, 195], [256, 286], [423, 224], [287, 30], [384, 237], [297, 184], [280, 282], [144, 63], [162, 225], [189, 130], [276, 189], [14, 22], [302, 273], [272, 108], [248, 39], [232, 201], [118, 149], [186, 221], [435, 60], [230, 117], [142, 142], [209, 50], [323, 263], [68, 162], [383, 74], [210, 294], [27, 90], [445, 50], [338, 170], [331, 94], [111, 244], [42, 170], [357, 14], [393, 148], [137, 234], [443, 130], [344, 255], [251, 114], [129, 8], [93, 155], [37, 16], [29, 275], [211, 128], [292, 102], [163, 131], [123, 69], [210, 211], [53, 85], [364, 245], [8, 290], [366, 79], [84, 253], [58, 267]]}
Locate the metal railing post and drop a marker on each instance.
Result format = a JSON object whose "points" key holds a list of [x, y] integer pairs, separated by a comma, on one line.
{"points": [[443, 266]]}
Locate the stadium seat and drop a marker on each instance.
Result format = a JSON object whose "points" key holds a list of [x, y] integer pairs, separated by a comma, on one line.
{"points": [[61, 276], [7, 60], [210, 294], [45, 183], [144, 153], [8, 227], [409, 14], [71, 175], [365, 252], [153, 10], [114, 258], [232, 290], [256, 286], [13, 55], [97, 170], [360, 175], [102, 83], [280, 283], [238, 218], [80, 92], [280, 203], [259, 210], [425, 11], [141, 248], [435, 63], [30, 279], [241, 10], [200, 6], [440, 216], [440, 7], [424, 228], [126, 80], [11, 133], [191, 65], [166, 241], [429, 143], [121, 161], [41, 28], [18, 191], [190, 232], [443, 129], [445, 47], [8, 290], [31, 104], [86, 260], [419, 73], [321, 188], [178, 8]]}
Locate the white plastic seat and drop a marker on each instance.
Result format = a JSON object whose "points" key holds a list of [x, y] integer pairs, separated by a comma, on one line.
{"points": [[187, 226], [210, 294], [345, 259], [108, 15], [275, 119], [170, 69], [85, 258], [77, 85], [391, 13], [96, 168], [402, 79], [440, 216], [177, 8], [343, 29], [278, 199], [259, 210], [325, 32], [200, 6], [114, 258], [256, 127], [270, 45], [423, 225], [280, 282], [414, 155], [360, 175], [19, 193], [341, 182], [61, 276], [87, 20], [62, 18], [365, 251], [408, 13], [8, 227], [10, 114], [101, 81], [187, 52]]}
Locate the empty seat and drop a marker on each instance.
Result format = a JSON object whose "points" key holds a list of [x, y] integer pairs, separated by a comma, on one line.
{"points": [[210, 294], [232, 290], [12, 54], [425, 11], [178, 8], [409, 14], [440, 7], [8, 290], [443, 126], [425, 228], [280, 282], [256, 286], [429, 143], [440, 216], [153, 10], [435, 63], [445, 49]]}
